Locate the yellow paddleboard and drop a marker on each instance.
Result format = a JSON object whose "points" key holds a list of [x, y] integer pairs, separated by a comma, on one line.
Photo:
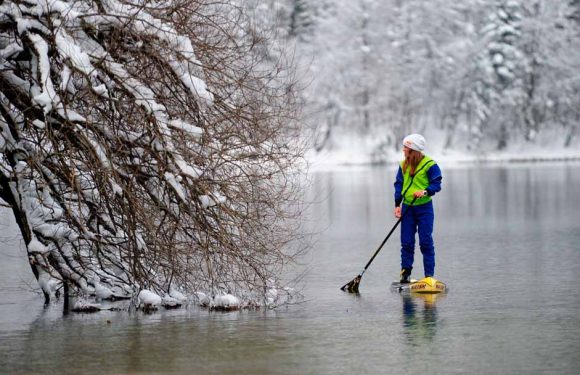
{"points": [[428, 285]]}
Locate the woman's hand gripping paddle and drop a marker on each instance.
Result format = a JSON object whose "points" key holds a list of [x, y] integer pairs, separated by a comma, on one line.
{"points": [[352, 286]]}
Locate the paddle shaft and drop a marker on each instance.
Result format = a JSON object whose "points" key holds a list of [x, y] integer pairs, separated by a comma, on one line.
{"points": [[388, 235]]}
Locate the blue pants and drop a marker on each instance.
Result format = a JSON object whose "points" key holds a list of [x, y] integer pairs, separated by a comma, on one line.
{"points": [[419, 218]]}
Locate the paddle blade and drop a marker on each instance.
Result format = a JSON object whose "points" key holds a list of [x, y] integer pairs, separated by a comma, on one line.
{"points": [[352, 286]]}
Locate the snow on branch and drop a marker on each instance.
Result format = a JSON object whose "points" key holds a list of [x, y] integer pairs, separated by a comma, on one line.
{"points": [[146, 146]]}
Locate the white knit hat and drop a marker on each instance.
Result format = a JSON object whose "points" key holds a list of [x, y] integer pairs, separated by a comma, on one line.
{"points": [[415, 142]]}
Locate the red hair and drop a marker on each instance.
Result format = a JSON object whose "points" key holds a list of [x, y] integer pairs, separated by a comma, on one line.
{"points": [[412, 160]]}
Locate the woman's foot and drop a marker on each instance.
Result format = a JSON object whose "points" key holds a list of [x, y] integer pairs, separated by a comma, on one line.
{"points": [[405, 275]]}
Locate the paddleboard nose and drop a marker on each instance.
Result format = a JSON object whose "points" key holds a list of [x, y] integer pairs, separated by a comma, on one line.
{"points": [[428, 285]]}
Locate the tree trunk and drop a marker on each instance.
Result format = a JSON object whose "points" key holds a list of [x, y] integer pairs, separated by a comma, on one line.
{"points": [[66, 295]]}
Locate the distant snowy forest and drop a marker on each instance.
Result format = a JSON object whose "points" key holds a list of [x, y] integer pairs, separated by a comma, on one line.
{"points": [[476, 76]]}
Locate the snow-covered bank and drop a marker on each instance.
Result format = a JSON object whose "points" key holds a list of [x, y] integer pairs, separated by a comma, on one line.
{"points": [[334, 160], [149, 301]]}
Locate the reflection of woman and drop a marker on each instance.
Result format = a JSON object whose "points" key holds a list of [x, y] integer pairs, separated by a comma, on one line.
{"points": [[423, 326], [418, 179]]}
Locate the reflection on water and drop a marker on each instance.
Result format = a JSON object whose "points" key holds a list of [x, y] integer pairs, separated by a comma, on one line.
{"points": [[512, 231], [420, 317]]}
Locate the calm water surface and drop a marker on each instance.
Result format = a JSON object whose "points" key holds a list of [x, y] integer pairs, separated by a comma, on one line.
{"points": [[508, 245]]}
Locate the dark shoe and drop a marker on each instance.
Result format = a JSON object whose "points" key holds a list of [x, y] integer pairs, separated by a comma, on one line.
{"points": [[406, 275]]}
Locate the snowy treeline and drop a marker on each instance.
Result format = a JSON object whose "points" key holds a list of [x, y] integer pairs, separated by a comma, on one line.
{"points": [[147, 145], [472, 75]]}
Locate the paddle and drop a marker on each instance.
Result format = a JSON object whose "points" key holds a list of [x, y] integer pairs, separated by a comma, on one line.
{"points": [[352, 286]]}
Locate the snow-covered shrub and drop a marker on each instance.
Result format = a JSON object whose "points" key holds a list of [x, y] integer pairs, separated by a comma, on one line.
{"points": [[225, 302], [148, 300], [82, 305]]}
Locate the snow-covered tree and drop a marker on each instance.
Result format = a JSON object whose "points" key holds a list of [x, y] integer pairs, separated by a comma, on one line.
{"points": [[498, 85], [145, 145], [574, 10], [348, 75], [567, 112], [302, 19]]}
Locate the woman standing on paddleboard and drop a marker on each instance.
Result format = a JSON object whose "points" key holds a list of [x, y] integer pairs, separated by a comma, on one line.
{"points": [[418, 179]]}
